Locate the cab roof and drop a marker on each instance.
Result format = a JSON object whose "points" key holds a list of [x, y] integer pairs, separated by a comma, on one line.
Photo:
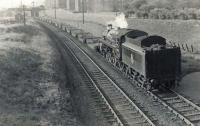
{"points": [[131, 33]]}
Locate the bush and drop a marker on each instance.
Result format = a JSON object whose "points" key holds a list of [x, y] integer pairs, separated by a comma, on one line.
{"points": [[163, 9], [162, 13]]}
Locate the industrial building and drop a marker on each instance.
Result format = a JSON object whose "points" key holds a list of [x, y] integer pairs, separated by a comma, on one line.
{"points": [[89, 5]]}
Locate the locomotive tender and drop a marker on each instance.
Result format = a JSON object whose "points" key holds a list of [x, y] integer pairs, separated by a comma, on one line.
{"points": [[147, 59]]}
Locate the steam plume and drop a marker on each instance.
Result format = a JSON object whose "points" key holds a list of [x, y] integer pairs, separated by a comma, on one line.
{"points": [[120, 21]]}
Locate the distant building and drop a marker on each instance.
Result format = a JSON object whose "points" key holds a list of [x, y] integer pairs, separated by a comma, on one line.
{"points": [[89, 5], [35, 12], [19, 17]]}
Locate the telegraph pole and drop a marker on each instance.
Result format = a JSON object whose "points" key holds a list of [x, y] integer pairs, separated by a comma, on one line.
{"points": [[24, 15], [33, 3], [83, 10], [122, 5], [55, 8]]}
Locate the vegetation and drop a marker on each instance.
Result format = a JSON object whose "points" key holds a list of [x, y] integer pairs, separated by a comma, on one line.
{"points": [[163, 9]]}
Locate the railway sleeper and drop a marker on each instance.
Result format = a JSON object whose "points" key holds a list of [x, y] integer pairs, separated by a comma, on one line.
{"points": [[121, 101], [125, 109], [116, 98], [109, 116], [178, 105], [96, 97], [92, 88], [131, 113], [156, 103], [167, 96], [106, 110], [134, 122], [94, 91], [111, 91], [123, 105], [96, 72], [102, 105], [113, 121], [100, 77], [106, 86], [114, 94], [98, 100], [176, 102], [131, 117], [190, 113], [102, 81], [194, 117], [186, 109]]}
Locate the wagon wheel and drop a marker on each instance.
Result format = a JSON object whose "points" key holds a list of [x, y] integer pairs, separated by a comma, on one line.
{"points": [[115, 61], [124, 69], [148, 87], [103, 53], [128, 72], [108, 57], [117, 64], [121, 66]]}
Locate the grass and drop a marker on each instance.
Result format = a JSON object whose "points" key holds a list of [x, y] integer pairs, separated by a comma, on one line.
{"points": [[30, 79], [18, 120]]}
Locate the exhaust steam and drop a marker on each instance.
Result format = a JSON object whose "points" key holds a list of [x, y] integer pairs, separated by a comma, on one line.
{"points": [[119, 22]]}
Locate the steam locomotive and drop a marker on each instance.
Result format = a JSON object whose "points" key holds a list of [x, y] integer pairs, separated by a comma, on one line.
{"points": [[147, 59]]}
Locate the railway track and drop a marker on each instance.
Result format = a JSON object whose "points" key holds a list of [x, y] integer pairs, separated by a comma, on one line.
{"points": [[182, 107], [115, 103], [177, 104], [122, 107]]}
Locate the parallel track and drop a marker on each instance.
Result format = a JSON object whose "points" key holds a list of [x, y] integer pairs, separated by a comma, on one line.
{"points": [[123, 109], [182, 107]]}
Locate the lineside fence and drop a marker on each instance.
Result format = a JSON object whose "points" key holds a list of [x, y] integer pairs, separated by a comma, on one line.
{"points": [[186, 47], [7, 21]]}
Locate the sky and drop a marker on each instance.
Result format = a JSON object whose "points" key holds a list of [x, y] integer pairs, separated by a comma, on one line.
{"points": [[16, 3]]}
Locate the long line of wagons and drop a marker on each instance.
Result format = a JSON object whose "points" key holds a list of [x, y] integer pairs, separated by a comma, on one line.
{"points": [[149, 60]]}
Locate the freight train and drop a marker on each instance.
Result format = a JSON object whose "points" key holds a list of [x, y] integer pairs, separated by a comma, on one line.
{"points": [[147, 59]]}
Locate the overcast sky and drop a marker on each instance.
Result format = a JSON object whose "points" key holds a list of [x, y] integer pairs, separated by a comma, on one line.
{"points": [[15, 3]]}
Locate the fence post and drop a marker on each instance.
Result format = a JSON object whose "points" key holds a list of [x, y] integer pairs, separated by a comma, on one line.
{"points": [[183, 47], [192, 49], [187, 47], [174, 44], [179, 45], [170, 43]]}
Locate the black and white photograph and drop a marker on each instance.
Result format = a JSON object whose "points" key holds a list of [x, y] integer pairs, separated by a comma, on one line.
{"points": [[99, 62]]}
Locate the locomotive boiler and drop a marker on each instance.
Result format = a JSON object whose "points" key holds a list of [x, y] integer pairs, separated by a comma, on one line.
{"points": [[147, 59]]}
